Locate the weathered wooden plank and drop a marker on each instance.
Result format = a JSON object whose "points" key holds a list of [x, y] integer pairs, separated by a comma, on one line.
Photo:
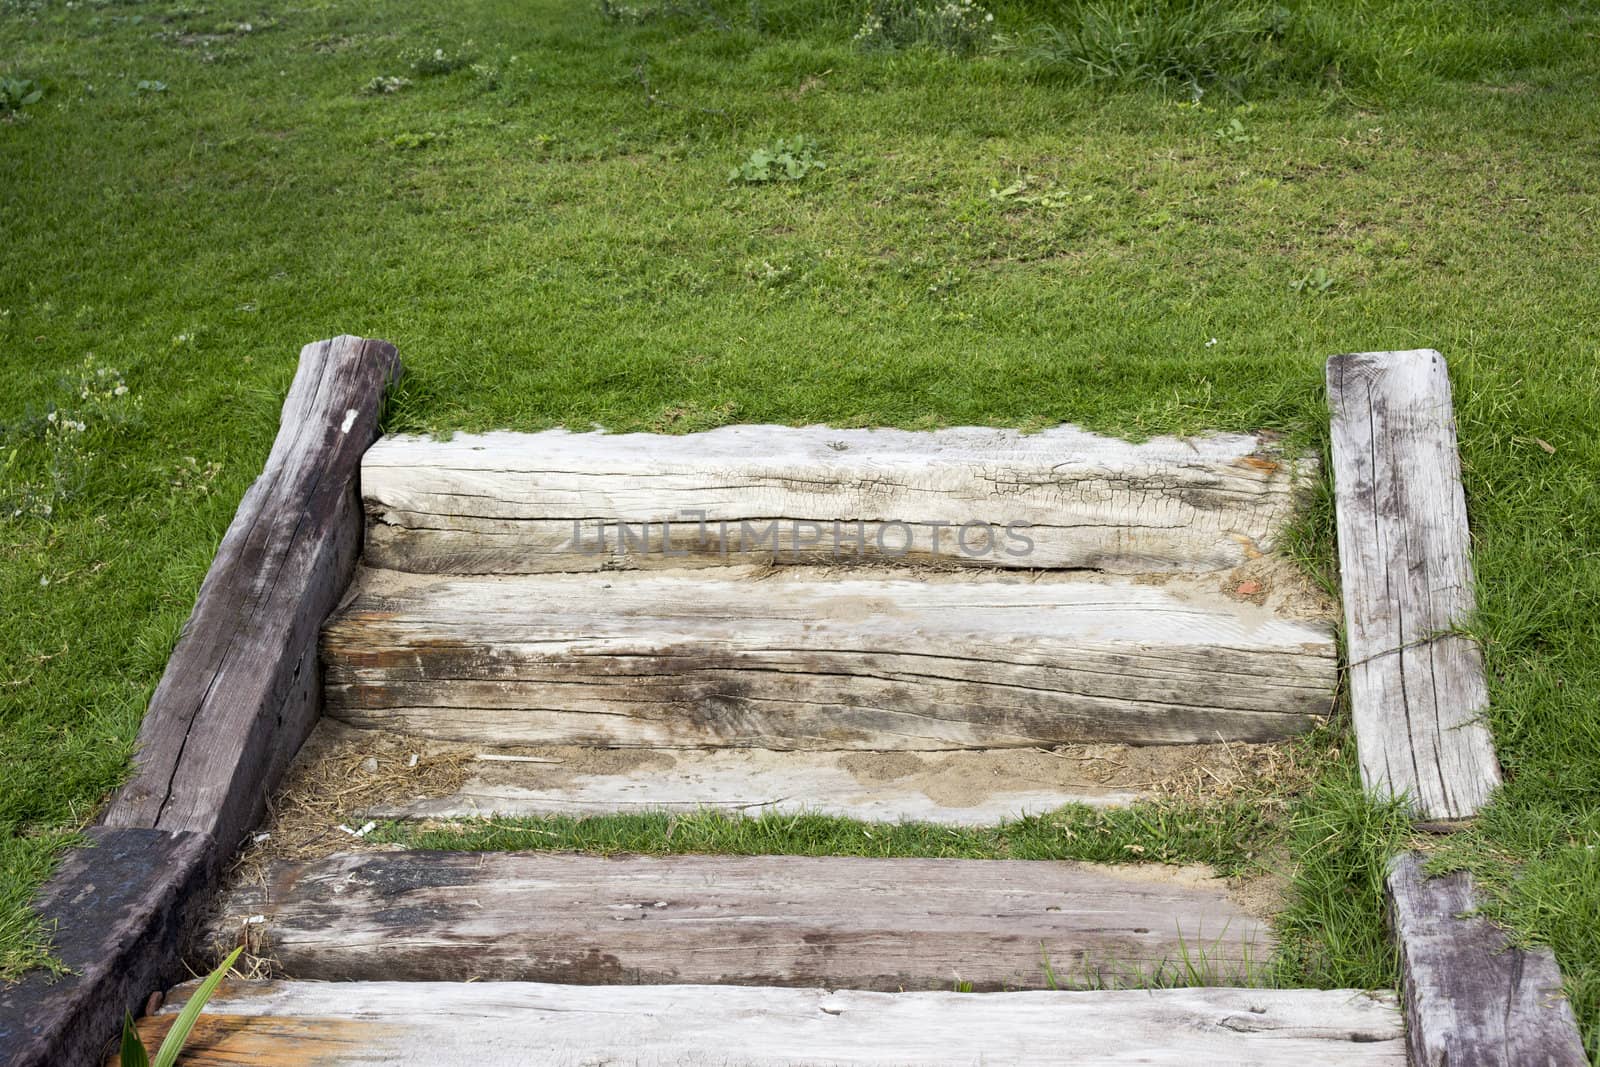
{"points": [[242, 688], [981, 787], [530, 503], [767, 920], [1470, 997], [805, 661], [117, 915], [1418, 694], [494, 1024]]}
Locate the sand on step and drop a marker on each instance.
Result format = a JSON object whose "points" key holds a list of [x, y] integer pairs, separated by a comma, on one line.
{"points": [[962, 788]]}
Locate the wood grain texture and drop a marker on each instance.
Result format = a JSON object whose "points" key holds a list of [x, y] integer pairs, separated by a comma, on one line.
{"points": [[801, 661], [833, 922], [242, 687], [1418, 693], [503, 1024], [971, 788], [117, 914], [507, 503], [1470, 997]]}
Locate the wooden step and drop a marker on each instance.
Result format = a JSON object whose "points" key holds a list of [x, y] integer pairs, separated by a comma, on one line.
{"points": [[974, 788], [836, 922], [507, 503], [494, 1024], [798, 660]]}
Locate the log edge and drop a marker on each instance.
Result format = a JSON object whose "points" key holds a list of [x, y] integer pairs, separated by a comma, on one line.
{"points": [[153, 875], [1429, 918]]}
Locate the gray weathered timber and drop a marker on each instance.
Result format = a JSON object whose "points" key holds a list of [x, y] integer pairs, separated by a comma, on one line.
{"points": [[117, 913], [660, 659], [1470, 997], [242, 688], [1418, 694], [530, 503], [834, 922], [514, 1024]]}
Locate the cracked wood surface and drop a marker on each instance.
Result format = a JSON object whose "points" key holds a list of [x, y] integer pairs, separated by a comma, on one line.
{"points": [[865, 923], [242, 688], [529, 503], [494, 1024], [1470, 997], [801, 660], [1417, 691]]}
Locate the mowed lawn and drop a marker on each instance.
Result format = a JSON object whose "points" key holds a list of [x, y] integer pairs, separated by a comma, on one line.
{"points": [[540, 215]]}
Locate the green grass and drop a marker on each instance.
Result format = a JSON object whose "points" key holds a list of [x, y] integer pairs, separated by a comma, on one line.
{"points": [[1223, 835], [554, 241]]}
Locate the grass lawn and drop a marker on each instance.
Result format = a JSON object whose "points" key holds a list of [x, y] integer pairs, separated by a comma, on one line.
{"points": [[542, 219]]}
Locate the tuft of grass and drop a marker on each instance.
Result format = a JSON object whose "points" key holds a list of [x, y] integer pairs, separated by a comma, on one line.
{"points": [[1257, 46], [1192, 44], [25, 863], [1332, 935], [1196, 965]]}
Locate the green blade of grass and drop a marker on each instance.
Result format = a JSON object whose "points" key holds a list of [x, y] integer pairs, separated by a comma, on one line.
{"points": [[179, 1034], [133, 1053]]}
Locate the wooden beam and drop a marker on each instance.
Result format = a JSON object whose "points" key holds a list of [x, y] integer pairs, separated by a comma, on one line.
{"points": [[1417, 689], [117, 914], [836, 922], [242, 688], [1470, 996], [1418, 698], [798, 660], [530, 503], [502, 1024], [239, 694]]}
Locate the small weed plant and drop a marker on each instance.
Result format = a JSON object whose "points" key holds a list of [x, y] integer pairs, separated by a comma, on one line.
{"points": [[788, 160], [48, 457], [18, 93], [1024, 193], [1189, 43], [1315, 282], [436, 62], [383, 86], [1234, 133]]}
